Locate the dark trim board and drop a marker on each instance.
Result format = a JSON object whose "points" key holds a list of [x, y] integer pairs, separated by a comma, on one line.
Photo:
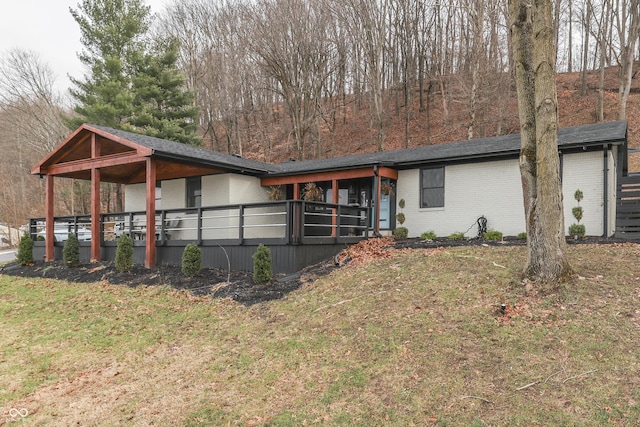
{"points": [[285, 259]]}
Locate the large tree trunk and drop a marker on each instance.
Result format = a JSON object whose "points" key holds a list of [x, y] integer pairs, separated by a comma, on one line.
{"points": [[534, 59]]}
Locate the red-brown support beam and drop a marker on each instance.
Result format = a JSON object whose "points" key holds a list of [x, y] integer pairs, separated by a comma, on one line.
{"points": [[95, 202], [377, 199], [296, 191], [95, 215], [335, 199], [150, 259], [49, 226]]}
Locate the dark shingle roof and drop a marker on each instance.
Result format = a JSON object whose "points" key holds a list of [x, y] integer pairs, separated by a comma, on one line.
{"points": [[477, 149], [176, 150]]}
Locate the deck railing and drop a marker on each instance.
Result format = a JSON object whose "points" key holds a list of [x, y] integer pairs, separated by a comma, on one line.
{"points": [[286, 222]]}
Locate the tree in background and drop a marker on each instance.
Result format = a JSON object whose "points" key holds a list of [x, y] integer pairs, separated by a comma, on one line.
{"points": [[534, 60], [114, 37], [130, 86], [162, 107], [31, 124]]}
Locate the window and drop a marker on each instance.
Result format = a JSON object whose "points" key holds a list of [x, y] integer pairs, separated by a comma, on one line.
{"points": [[194, 192], [432, 187]]}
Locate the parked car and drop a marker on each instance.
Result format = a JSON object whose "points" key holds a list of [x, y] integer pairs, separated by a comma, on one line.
{"points": [[61, 233]]}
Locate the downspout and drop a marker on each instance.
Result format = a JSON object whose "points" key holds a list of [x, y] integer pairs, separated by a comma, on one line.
{"points": [[376, 201], [605, 149]]}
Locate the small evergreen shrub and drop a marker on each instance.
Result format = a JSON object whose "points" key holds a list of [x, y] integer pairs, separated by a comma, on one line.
{"points": [[401, 233], [522, 236], [25, 250], [124, 254], [492, 235], [262, 269], [191, 260], [428, 235], [457, 236], [401, 218], [71, 251], [577, 231]]}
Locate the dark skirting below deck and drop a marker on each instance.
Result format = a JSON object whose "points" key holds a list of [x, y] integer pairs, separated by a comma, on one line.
{"points": [[285, 258]]}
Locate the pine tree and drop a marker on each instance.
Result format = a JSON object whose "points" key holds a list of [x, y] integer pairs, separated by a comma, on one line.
{"points": [[163, 108], [114, 37], [133, 82]]}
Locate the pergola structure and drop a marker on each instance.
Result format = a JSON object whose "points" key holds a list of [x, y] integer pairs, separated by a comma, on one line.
{"points": [[98, 155]]}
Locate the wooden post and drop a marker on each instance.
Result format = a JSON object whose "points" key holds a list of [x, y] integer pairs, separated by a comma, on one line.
{"points": [[49, 225], [296, 191], [95, 215], [95, 202], [150, 258], [335, 200], [377, 199], [297, 214]]}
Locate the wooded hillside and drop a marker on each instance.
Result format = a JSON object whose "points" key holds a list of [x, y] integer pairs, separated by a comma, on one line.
{"points": [[298, 79]]}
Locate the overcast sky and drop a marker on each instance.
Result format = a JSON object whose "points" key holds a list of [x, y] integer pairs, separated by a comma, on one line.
{"points": [[47, 28]]}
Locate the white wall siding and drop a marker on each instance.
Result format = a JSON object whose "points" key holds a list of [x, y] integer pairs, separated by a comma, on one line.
{"points": [[494, 190], [173, 194], [489, 189], [584, 171], [135, 197]]}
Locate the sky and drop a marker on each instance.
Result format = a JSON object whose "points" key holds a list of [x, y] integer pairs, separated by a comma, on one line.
{"points": [[47, 28]]}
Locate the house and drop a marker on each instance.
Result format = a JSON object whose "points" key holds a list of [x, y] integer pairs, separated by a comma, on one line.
{"points": [[226, 203]]}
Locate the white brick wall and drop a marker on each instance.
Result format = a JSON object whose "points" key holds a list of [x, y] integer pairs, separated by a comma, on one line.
{"points": [[584, 171], [135, 197], [494, 190]]}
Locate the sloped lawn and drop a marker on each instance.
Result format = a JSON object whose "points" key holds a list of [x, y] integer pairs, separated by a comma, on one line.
{"points": [[404, 337]]}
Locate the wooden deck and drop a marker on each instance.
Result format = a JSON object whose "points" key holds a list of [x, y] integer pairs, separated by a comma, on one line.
{"points": [[298, 233]]}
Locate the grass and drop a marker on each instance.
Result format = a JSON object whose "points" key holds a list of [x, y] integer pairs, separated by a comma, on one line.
{"points": [[416, 339]]}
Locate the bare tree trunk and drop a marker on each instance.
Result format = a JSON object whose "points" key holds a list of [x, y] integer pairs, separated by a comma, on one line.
{"points": [[534, 51], [570, 38], [627, 57], [585, 48]]}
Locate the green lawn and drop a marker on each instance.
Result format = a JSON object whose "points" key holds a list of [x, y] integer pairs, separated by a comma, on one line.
{"points": [[414, 339]]}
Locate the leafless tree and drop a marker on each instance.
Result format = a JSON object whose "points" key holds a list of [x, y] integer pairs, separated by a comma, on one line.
{"points": [[31, 124]]}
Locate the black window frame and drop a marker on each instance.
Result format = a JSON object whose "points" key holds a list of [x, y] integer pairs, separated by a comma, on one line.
{"points": [[430, 190], [194, 192]]}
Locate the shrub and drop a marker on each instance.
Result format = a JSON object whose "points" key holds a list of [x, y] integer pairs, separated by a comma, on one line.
{"points": [[457, 236], [71, 251], [191, 260], [401, 218], [428, 235], [522, 236], [25, 250], [492, 235], [124, 254], [401, 233], [262, 270], [577, 231]]}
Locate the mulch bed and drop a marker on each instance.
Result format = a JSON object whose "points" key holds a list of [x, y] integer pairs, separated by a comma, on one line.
{"points": [[239, 285]]}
